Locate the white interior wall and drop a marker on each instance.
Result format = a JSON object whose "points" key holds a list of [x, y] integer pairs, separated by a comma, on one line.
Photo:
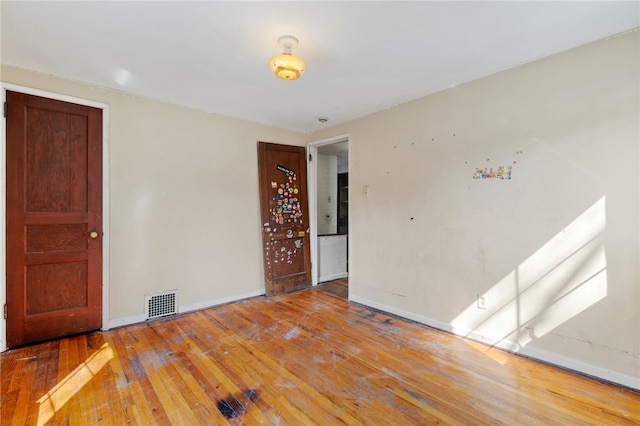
{"points": [[553, 252], [327, 194], [184, 199]]}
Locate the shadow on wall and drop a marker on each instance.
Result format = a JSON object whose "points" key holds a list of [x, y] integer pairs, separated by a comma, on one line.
{"points": [[563, 278]]}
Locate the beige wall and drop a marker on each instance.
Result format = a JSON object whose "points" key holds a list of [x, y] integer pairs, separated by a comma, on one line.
{"points": [[184, 209], [554, 251]]}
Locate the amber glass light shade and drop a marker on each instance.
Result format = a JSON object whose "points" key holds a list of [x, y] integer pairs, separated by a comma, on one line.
{"points": [[287, 66]]}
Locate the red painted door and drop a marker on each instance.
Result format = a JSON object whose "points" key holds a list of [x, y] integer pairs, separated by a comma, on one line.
{"points": [[282, 171], [54, 218]]}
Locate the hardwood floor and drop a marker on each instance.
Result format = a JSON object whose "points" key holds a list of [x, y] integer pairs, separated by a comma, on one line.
{"points": [[338, 288], [299, 359]]}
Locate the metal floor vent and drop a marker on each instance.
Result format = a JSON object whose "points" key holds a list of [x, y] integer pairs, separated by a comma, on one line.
{"points": [[159, 305]]}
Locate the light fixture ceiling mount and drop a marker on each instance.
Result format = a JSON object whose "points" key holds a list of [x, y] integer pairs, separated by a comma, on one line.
{"points": [[287, 66]]}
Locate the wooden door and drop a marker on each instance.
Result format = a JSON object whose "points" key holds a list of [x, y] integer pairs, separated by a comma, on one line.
{"points": [[285, 222], [54, 218]]}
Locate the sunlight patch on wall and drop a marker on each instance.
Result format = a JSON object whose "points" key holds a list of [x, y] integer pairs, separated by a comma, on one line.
{"points": [[563, 278]]}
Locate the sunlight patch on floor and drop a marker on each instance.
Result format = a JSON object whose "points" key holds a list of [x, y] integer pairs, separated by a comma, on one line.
{"points": [[65, 389]]}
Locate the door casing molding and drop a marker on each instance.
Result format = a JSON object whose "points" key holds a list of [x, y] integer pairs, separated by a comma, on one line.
{"points": [[105, 198]]}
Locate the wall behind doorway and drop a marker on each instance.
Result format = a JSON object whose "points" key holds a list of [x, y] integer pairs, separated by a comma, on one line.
{"points": [[327, 194]]}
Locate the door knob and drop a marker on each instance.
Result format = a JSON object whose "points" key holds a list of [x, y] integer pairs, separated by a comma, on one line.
{"points": [[93, 234]]}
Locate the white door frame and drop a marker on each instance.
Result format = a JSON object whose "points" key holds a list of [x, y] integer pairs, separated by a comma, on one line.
{"points": [[105, 198], [312, 183]]}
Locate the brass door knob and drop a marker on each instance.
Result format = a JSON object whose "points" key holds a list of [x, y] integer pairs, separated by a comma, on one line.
{"points": [[93, 234]]}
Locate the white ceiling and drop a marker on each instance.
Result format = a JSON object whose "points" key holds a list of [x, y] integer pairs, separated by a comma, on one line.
{"points": [[362, 57]]}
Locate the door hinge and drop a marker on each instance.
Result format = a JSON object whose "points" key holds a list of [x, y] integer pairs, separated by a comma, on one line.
{"points": [[310, 157], [6, 109], [5, 311]]}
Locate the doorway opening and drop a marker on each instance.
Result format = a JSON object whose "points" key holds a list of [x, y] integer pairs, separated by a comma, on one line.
{"points": [[329, 212]]}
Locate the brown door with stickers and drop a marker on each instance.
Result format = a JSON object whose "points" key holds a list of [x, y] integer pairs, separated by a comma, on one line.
{"points": [[54, 218], [282, 171]]}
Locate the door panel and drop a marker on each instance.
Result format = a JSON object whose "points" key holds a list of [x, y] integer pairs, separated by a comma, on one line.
{"points": [[285, 224], [54, 203]]}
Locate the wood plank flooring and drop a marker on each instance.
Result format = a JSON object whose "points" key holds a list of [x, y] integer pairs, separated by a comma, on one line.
{"points": [[299, 359], [338, 288]]}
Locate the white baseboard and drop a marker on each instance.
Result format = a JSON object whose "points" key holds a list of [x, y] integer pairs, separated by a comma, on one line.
{"points": [[332, 277], [215, 302], [122, 321], [582, 367], [135, 319], [530, 352]]}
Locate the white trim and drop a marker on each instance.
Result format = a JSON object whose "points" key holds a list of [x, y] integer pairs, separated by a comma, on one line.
{"points": [[53, 95], [105, 197], [332, 277], [312, 184], [527, 351], [124, 321], [582, 367], [198, 306], [183, 309], [3, 219]]}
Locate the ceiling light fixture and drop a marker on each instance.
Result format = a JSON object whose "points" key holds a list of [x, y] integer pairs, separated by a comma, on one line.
{"points": [[287, 66]]}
